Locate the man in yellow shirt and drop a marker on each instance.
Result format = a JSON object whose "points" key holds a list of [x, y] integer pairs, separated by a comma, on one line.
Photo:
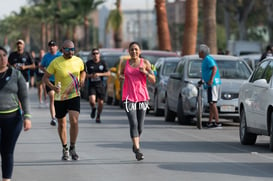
{"points": [[69, 77]]}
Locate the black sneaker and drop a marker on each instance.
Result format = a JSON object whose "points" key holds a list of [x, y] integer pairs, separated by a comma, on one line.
{"points": [[217, 125], [93, 113], [53, 122], [139, 155], [73, 154], [65, 156], [210, 125]]}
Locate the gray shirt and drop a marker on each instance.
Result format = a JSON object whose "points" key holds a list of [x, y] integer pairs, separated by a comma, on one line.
{"points": [[13, 93]]}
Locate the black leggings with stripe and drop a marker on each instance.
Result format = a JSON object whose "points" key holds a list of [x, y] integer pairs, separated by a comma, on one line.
{"points": [[10, 127]]}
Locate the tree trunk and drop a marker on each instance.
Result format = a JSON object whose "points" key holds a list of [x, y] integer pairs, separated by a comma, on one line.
{"points": [[191, 23], [210, 33], [86, 33], [43, 36], [118, 34], [163, 33]]}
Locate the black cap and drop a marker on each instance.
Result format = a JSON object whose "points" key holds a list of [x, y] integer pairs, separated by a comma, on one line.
{"points": [[52, 43]]}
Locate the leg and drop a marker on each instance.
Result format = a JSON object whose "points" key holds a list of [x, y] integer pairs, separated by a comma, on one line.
{"points": [[10, 131], [74, 128], [214, 111], [51, 104], [92, 101], [62, 130]]}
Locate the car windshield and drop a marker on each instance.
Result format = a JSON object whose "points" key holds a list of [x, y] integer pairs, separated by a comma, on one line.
{"points": [[111, 60], [228, 69], [169, 68]]}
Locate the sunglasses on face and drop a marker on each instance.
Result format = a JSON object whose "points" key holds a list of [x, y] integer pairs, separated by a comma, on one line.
{"points": [[69, 49], [95, 53]]}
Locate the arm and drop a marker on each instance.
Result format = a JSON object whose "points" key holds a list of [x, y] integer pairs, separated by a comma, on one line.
{"points": [[23, 98], [214, 70], [82, 78], [122, 67], [49, 84], [147, 70]]}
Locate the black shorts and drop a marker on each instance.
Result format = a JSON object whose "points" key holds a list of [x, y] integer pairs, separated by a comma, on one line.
{"points": [[62, 107], [48, 89], [98, 90]]}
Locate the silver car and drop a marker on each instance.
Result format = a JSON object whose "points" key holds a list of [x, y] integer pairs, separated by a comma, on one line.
{"points": [[164, 67], [182, 92], [256, 105]]}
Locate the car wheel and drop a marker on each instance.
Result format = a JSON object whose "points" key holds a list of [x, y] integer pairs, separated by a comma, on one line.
{"points": [[169, 115], [158, 112], [271, 134], [182, 119], [246, 138]]}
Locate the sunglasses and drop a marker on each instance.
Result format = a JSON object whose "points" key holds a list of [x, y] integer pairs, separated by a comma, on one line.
{"points": [[95, 53], [69, 49]]}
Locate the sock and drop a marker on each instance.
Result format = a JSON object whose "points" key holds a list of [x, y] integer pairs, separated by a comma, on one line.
{"points": [[65, 147]]}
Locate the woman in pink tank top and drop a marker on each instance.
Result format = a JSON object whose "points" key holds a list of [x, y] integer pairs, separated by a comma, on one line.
{"points": [[135, 72]]}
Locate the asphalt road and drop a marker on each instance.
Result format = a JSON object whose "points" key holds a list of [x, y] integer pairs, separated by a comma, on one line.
{"points": [[172, 152]]}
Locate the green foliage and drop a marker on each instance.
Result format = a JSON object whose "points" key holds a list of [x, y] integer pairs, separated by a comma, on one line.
{"points": [[114, 20]]}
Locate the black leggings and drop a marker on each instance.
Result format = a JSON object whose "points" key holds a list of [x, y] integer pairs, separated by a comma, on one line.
{"points": [[136, 114], [10, 128]]}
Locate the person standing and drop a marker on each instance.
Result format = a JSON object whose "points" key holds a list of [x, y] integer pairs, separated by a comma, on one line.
{"points": [[22, 60], [69, 75], [47, 59], [212, 82], [39, 83], [96, 70], [13, 92], [135, 97], [268, 52]]}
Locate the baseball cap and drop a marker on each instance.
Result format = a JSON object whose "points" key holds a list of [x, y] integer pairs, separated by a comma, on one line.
{"points": [[20, 41], [51, 43]]}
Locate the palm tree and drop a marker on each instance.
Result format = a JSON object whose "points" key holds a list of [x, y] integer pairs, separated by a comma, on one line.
{"points": [[191, 23], [210, 35], [114, 21], [83, 8], [163, 32]]}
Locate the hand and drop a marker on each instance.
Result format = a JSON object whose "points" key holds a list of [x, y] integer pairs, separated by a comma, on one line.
{"points": [[27, 124], [82, 83], [141, 69]]}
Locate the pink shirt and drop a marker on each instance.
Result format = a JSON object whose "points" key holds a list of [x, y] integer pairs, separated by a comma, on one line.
{"points": [[134, 86]]}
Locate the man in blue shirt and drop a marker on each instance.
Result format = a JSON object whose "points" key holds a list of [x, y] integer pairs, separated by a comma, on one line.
{"points": [[47, 59], [211, 77]]}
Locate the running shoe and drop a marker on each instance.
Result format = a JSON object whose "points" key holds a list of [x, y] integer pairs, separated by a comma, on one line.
{"points": [[53, 122], [217, 125], [93, 113], [139, 155], [65, 156], [73, 154], [210, 125]]}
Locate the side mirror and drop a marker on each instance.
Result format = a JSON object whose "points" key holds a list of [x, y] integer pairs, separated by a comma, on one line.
{"points": [[261, 83]]}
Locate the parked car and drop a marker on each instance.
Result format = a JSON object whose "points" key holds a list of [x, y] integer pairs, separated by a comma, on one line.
{"points": [[84, 55], [112, 60], [181, 88], [256, 105], [113, 82], [153, 55], [164, 67], [252, 59]]}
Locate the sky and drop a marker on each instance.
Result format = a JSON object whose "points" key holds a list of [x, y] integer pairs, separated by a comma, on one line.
{"points": [[14, 5]]}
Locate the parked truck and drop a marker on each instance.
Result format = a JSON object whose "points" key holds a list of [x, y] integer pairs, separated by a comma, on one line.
{"points": [[238, 48]]}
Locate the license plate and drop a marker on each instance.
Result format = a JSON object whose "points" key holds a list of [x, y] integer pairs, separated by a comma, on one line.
{"points": [[227, 108]]}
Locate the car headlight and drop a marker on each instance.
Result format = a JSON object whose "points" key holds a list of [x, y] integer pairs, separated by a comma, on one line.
{"points": [[190, 91]]}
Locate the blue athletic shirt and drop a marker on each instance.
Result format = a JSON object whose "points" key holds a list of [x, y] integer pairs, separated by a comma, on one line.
{"points": [[207, 64], [47, 59]]}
